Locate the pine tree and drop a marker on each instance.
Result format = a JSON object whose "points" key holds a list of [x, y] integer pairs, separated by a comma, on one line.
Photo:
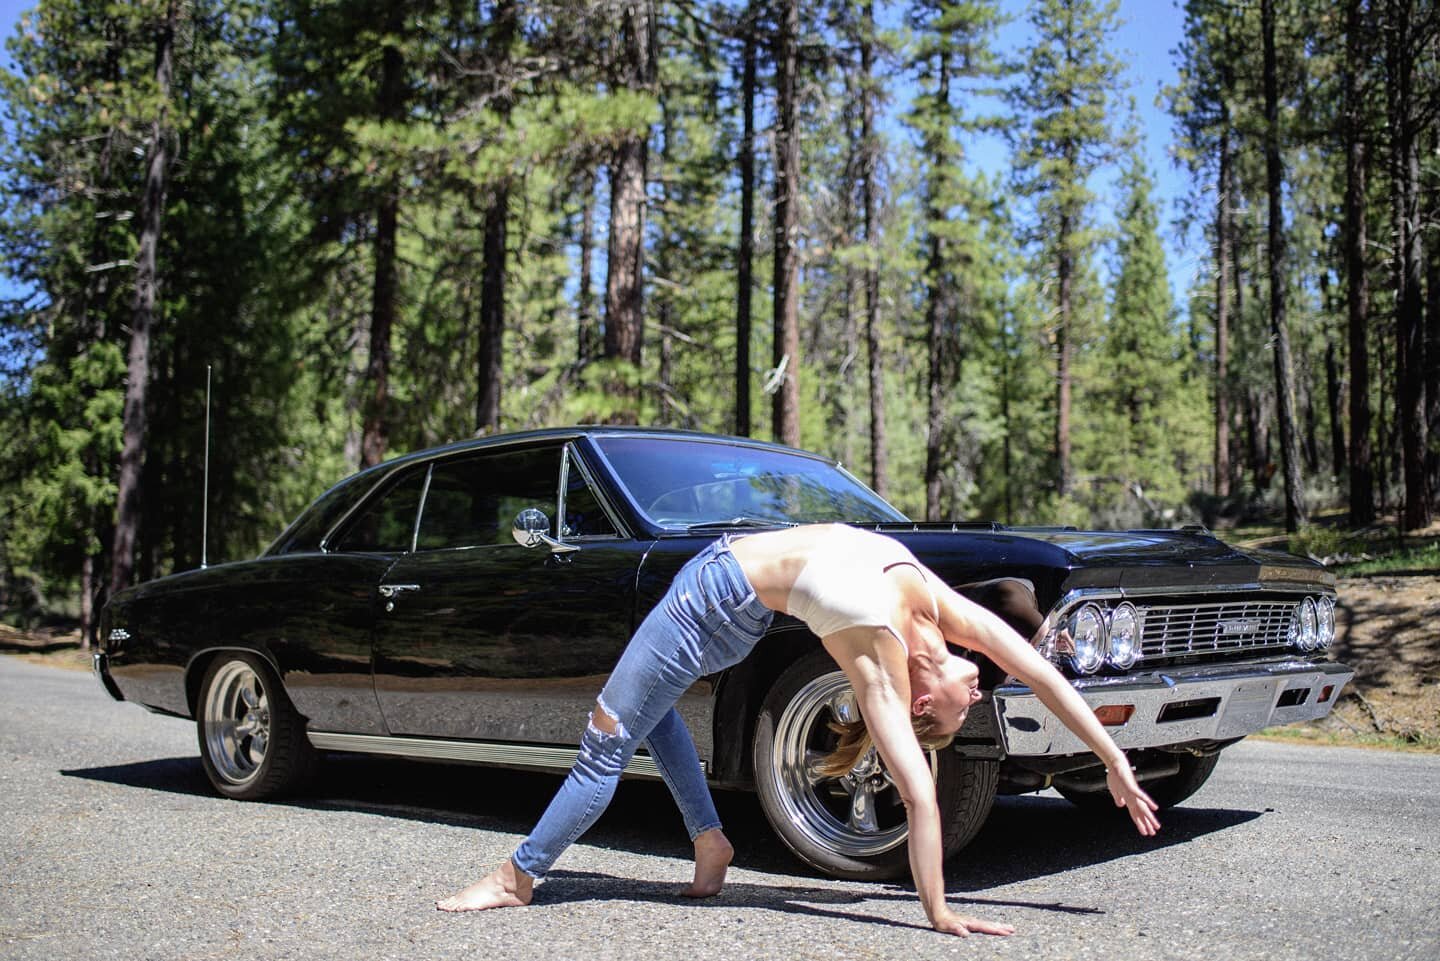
{"points": [[952, 51], [1065, 92]]}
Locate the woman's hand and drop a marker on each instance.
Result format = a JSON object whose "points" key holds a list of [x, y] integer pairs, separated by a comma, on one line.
{"points": [[1129, 795], [948, 922]]}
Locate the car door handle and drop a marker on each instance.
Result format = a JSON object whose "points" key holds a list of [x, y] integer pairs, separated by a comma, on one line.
{"points": [[390, 590]]}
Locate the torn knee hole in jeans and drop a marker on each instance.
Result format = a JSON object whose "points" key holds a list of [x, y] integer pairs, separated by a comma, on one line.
{"points": [[604, 723]]}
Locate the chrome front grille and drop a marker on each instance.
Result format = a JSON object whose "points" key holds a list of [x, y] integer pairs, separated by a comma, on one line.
{"points": [[1185, 630]]}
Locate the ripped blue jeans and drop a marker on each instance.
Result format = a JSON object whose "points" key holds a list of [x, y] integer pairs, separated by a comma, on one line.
{"points": [[708, 620]]}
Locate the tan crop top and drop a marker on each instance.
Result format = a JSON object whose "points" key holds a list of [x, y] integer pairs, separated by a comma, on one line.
{"points": [[841, 584]]}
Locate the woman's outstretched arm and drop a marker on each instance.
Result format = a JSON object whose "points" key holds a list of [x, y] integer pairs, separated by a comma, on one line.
{"points": [[887, 718], [967, 623]]}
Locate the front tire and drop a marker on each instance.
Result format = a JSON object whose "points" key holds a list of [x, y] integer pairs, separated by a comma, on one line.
{"points": [[1167, 791], [852, 826], [252, 740]]}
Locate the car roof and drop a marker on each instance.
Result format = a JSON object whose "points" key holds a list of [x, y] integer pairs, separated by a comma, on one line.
{"points": [[582, 430]]}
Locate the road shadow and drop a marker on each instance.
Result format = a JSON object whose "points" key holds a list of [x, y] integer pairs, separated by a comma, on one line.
{"points": [[1025, 837]]}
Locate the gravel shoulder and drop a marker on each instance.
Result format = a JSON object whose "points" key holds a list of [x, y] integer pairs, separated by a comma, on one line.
{"points": [[1387, 630]]}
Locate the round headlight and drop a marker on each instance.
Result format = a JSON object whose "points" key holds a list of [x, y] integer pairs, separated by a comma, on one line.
{"points": [[1087, 631], [1124, 637], [1326, 621], [1309, 625]]}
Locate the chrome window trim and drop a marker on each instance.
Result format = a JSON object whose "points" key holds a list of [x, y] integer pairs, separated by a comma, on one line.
{"points": [[560, 494], [430, 458], [420, 508], [622, 530]]}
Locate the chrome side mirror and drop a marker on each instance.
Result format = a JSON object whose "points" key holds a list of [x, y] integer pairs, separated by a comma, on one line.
{"points": [[532, 529]]}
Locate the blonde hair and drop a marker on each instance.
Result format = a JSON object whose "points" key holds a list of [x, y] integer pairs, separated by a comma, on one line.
{"points": [[855, 740]]}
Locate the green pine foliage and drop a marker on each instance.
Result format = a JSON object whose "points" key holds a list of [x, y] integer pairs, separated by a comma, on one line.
{"points": [[298, 124]]}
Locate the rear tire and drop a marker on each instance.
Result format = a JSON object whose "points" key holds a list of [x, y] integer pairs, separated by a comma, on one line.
{"points": [[853, 826], [252, 740]]}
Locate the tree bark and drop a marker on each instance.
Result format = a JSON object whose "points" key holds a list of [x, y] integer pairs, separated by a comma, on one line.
{"points": [[744, 267], [625, 281], [870, 154], [375, 435], [785, 408], [1416, 511], [490, 352], [1284, 384], [1064, 351], [937, 302], [1357, 282], [1334, 389], [1224, 261], [587, 333], [624, 285], [1432, 347], [129, 506], [489, 356]]}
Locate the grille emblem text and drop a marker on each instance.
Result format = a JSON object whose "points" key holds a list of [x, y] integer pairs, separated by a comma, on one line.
{"points": [[1249, 625]]}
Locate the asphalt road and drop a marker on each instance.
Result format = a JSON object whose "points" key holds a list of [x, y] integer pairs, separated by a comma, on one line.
{"points": [[112, 846]]}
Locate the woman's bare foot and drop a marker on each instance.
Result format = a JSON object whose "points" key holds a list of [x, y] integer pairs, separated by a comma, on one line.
{"points": [[712, 858], [505, 887]]}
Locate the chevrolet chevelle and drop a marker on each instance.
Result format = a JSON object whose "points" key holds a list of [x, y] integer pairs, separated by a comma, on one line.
{"points": [[465, 604]]}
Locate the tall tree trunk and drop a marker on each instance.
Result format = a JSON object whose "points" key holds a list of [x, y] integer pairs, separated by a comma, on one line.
{"points": [[87, 600], [785, 408], [744, 267], [129, 506], [1357, 282], [1284, 384], [1007, 460], [1409, 260], [625, 281], [664, 266], [382, 321], [870, 152], [587, 333], [489, 357], [624, 285], [937, 297], [1334, 389], [1224, 262], [1432, 344], [376, 432], [1064, 351]]}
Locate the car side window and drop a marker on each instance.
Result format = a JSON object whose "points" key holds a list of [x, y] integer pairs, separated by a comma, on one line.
{"points": [[387, 525], [584, 517], [473, 500]]}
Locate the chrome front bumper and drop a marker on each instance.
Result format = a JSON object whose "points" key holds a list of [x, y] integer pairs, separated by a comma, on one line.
{"points": [[1203, 703]]}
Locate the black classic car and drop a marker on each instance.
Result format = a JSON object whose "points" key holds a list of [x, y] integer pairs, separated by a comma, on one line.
{"points": [[465, 604]]}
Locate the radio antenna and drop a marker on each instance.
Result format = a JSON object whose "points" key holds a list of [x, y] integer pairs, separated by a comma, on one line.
{"points": [[205, 500]]}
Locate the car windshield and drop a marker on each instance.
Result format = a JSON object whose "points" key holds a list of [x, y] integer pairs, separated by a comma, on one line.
{"points": [[684, 484]]}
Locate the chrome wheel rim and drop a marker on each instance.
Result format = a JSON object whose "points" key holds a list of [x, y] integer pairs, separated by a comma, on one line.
{"points": [[237, 723], [859, 814]]}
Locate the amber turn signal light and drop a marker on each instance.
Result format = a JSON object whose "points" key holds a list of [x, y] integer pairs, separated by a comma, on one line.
{"points": [[1114, 715]]}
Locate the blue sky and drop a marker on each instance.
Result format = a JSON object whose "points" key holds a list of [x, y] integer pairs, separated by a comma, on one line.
{"points": [[1150, 31]]}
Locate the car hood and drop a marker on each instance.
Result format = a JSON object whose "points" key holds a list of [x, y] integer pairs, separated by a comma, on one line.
{"points": [[1057, 561]]}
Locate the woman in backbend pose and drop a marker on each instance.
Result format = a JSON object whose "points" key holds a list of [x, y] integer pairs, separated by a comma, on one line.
{"points": [[882, 616]]}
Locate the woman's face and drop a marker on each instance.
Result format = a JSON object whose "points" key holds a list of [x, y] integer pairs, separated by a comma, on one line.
{"points": [[961, 689]]}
